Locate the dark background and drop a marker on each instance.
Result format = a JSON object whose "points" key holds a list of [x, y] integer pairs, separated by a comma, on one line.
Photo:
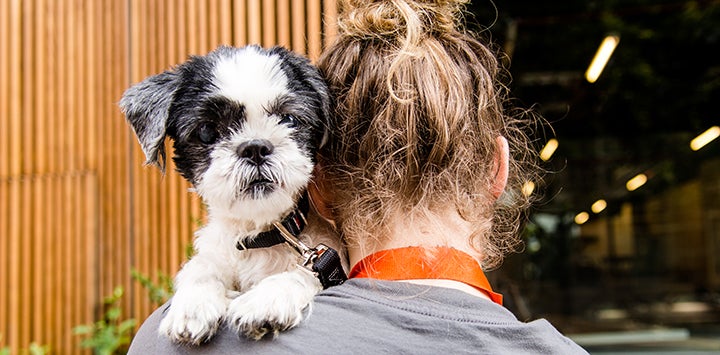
{"points": [[660, 89]]}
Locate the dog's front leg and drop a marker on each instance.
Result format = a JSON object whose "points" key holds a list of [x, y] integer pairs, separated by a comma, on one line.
{"points": [[199, 303], [274, 304]]}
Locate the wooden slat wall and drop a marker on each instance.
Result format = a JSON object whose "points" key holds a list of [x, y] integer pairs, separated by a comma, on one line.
{"points": [[52, 92], [77, 208]]}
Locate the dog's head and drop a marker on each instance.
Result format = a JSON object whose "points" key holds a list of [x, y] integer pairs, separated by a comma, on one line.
{"points": [[245, 124]]}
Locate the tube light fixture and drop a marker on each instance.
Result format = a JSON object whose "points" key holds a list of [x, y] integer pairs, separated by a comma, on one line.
{"points": [[582, 217], [637, 181], [705, 138], [598, 206], [602, 56], [549, 149]]}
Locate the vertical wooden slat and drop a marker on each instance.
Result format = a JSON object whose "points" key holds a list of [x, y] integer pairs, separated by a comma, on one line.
{"points": [[298, 26], [225, 17], [78, 244], [182, 30], [240, 32], [4, 296], [39, 262], [55, 283], [213, 22], [254, 23], [40, 328], [202, 21], [91, 75], [121, 168], [61, 44], [65, 96], [81, 93], [26, 264], [314, 29], [5, 68], [118, 236], [14, 76], [80, 238], [4, 169], [40, 132], [64, 293], [53, 95], [4, 166], [70, 253], [48, 267], [28, 104], [268, 26], [106, 164], [50, 164], [13, 333], [69, 89], [283, 23], [191, 26], [91, 228], [13, 336]]}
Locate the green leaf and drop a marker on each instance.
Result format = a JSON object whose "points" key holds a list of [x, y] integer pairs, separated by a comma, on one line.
{"points": [[113, 313], [83, 329], [126, 326], [37, 349]]}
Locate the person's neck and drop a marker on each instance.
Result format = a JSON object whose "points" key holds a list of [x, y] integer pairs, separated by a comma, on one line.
{"points": [[440, 229], [448, 230]]}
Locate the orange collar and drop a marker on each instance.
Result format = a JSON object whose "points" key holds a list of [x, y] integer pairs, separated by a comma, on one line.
{"points": [[412, 263]]}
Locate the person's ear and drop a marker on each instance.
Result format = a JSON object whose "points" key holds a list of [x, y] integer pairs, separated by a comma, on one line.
{"points": [[319, 195], [501, 164]]}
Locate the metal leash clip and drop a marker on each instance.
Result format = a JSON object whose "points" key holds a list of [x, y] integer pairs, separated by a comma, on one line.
{"points": [[322, 260]]}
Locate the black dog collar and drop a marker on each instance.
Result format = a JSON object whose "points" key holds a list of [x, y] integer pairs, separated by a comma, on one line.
{"points": [[293, 223]]}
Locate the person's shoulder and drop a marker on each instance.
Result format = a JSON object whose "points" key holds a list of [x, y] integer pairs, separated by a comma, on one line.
{"points": [[365, 316], [331, 310]]}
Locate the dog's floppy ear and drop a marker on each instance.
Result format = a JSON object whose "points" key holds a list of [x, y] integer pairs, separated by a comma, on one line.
{"points": [[145, 106]]}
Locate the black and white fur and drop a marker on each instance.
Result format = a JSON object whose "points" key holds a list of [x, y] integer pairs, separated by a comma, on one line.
{"points": [[245, 124]]}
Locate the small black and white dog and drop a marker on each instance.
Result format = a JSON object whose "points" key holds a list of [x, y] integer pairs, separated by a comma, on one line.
{"points": [[245, 124]]}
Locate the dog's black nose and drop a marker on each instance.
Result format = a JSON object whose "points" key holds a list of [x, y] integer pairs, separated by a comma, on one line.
{"points": [[255, 150]]}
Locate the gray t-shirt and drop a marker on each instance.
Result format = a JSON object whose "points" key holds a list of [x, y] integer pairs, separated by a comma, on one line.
{"points": [[366, 316]]}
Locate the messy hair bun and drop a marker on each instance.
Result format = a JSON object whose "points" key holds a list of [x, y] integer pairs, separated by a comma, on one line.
{"points": [[418, 111], [384, 19]]}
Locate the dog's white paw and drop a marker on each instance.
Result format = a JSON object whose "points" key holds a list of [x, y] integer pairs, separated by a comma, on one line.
{"points": [[193, 319], [273, 305]]}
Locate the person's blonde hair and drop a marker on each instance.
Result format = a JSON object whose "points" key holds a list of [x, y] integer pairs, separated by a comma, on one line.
{"points": [[417, 111]]}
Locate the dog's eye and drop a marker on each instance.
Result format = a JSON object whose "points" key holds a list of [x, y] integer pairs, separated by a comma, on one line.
{"points": [[207, 134], [289, 120]]}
